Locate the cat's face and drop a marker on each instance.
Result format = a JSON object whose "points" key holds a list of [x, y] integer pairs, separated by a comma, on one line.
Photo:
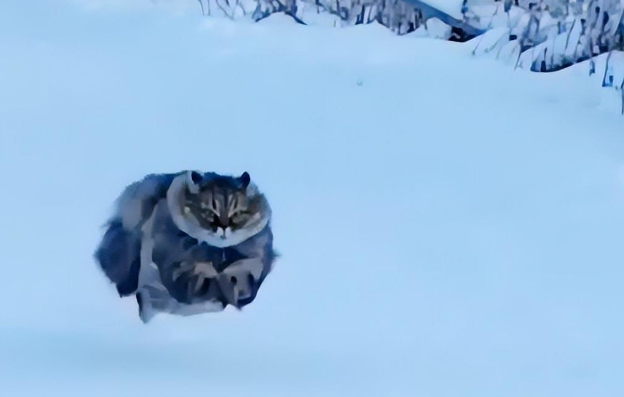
{"points": [[221, 205]]}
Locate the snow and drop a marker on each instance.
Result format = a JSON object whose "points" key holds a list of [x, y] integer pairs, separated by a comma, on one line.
{"points": [[448, 226], [491, 42], [314, 16], [434, 29], [451, 7]]}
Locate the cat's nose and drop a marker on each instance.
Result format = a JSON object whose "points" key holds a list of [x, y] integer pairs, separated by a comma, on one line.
{"points": [[221, 223]]}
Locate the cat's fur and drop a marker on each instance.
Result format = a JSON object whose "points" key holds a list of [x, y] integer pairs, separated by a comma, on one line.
{"points": [[187, 243]]}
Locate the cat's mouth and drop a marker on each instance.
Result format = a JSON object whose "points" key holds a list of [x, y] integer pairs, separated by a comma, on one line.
{"points": [[224, 233]]}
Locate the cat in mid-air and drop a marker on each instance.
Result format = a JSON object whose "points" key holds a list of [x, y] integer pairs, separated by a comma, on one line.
{"points": [[188, 243]]}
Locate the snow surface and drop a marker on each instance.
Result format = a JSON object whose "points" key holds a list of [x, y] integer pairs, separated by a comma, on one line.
{"points": [[449, 227], [451, 7], [434, 29]]}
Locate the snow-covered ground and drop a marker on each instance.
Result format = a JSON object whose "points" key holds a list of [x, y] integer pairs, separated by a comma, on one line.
{"points": [[449, 227]]}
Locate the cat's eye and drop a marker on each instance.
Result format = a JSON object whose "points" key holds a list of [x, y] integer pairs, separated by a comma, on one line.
{"points": [[238, 216]]}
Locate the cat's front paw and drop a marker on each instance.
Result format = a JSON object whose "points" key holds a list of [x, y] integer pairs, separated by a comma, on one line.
{"points": [[189, 282]]}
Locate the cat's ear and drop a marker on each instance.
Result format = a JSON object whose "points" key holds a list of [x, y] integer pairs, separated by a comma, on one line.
{"points": [[244, 179], [193, 179]]}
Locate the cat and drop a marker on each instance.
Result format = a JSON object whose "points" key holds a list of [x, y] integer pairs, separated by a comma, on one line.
{"points": [[188, 243]]}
